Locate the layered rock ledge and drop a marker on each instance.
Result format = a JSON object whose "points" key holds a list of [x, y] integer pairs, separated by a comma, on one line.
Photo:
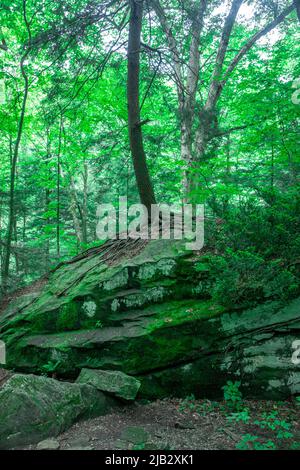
{"points": [[145, 310], [135, 319]]}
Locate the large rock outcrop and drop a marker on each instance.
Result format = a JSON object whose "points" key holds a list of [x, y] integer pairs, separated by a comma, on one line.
{"points": [[145, 310]]}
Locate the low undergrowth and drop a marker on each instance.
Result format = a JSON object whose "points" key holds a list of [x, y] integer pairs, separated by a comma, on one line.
{"points": [[253, 425]]}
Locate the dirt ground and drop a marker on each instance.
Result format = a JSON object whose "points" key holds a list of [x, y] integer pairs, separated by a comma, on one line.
{"points": [[175, 424]]}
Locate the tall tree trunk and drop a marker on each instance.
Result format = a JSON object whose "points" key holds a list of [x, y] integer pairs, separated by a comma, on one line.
{"points": [[297, 5], [186, 88], [272, 171], [143, 180], [74, 206], [186, 155], [58, 188], [15, 238], [47, 199], [14, 159], [85, 202], [47, 242], [1, 242]]}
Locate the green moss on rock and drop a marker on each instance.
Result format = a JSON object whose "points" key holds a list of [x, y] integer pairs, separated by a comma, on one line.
{"points": [[34, 408], [115, 383]]}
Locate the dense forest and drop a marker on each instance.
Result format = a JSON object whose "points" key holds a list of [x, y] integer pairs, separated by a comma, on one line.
{"points": [[217, 113], [160, 102]]}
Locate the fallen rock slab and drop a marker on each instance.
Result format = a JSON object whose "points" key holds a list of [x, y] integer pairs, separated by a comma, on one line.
{"points": [[48, 444], [115, 383]]}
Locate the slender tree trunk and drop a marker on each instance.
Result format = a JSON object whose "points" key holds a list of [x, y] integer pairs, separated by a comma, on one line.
{"points": [[297, 5], [186, 86], [272, 175], [13, 169], [227, 177], [24, 260], [15, 239], [1, 243], [73, 209], [143, 180], [186, 151], [85, 203], [47, 200], [15, 155], [47, 243], [58, 189]]}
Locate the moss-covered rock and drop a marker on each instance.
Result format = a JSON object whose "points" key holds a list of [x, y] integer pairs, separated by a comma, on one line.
{"points": [[153, 338], [254, 347], [87, 290], [114, 383], [33, 408], [149, 314]]}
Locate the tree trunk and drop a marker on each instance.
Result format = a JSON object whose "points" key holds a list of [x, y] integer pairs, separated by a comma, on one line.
{"points": [[85, 203], [186, 155], [143, 180], [11, 215], [47, 199], [15, 156], [58, 188], [73, 209]]}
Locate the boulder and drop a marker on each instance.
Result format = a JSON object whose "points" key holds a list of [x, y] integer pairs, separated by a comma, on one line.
{"points": [[253, 347], [115, 383], [92, 290], [48, 444], [34, 408], [94, 299], [144, 309]]}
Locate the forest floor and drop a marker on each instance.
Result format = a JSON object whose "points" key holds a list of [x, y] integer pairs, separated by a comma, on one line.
{"points": [[174, 424]]}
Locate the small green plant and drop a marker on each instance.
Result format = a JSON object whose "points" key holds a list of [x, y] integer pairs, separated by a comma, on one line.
{"points": [[284, 434], [50, 367], [240, 416], [271, 421], [295, 446], [140, 446], [99, 324], [187, 404], [233, 395], [207, 407], [250, 442]]}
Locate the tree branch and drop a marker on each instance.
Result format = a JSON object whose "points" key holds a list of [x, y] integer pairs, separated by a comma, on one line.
{"points": [[223, 132], [3, 45], [194, 59], [297, 6], [226, 33], [243, 51], [172, 46]]}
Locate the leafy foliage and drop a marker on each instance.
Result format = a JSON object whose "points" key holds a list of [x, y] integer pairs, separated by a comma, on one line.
{"points": [[74, 152], [233, 395]]}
